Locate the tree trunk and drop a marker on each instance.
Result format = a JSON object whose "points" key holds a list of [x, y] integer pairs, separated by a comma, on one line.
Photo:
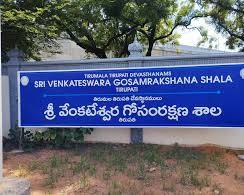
{"points": [[101, 54], [150, 47]]}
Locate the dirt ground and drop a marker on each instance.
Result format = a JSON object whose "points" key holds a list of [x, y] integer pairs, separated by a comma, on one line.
{"points": [[129, 169]]}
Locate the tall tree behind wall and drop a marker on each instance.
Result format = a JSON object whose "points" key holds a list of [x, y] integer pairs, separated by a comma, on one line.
{"points": [[228, 18], [106, 26], [159, 19], [24, 25], [100, 27]]}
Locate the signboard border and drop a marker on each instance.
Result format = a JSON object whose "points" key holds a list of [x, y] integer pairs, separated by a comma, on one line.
{"points": [[124, 68]]}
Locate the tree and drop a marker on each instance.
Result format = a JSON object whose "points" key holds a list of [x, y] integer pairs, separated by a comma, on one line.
{"points": [[158, 20], [95, 26], [110, 25], [24, 25], [228, 18], [103, 27]]}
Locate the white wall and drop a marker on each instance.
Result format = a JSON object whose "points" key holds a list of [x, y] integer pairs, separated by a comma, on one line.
{"points": [[5, 106], [227, 137], [112, 135]]}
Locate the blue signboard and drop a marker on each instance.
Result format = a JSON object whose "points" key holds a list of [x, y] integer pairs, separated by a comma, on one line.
{"points": [[192, 96]]}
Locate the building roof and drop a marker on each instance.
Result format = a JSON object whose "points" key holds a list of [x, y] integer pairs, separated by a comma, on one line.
{"points": [[185, 49], [70, 51]]}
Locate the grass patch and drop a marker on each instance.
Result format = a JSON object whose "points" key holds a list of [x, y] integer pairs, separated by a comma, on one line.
{"points": [[132, 188], [141, 163], [168, 186], [215, 159], [107, 174], [217, 189], [51, 178], [191, 177], [141, 171], [21, 171], [34, 165], [59, 166], [151, 154], [99, 153], [83, 166], [84, 181], [185, 154], [165, 171], [118, 161], [239, 177], [194, 161], [116, 188], [55, 167]]}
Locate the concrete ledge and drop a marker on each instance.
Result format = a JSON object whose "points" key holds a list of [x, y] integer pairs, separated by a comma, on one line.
{"points": [[14, 186]]}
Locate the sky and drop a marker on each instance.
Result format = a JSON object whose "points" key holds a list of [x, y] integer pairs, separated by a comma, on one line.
{"points": [[192, 37]]}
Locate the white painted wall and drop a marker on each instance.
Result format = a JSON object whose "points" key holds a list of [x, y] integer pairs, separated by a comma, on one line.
{"points": [[112, 135], [5, 106], [227, 137], [1, 128]]}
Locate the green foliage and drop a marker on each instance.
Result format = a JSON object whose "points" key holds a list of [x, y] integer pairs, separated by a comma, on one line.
{"points": [[107, 174], [62, 137], [14, 136], [103, 28], [84, 182], [191, 177], [152, 154], [185, 154], [140, 171], [215, 159], [84, 166], [27, 26], [19, 137], [55, 137], [207, 40], [116, 188], [228, 18], [51, 179], [177, 166], [118, 161], [55, 167]]}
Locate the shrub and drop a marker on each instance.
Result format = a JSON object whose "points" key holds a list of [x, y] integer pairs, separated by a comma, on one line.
{"points": [[55, 137], [62, 137]]}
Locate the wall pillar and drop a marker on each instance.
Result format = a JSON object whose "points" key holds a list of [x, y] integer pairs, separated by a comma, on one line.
{"points": [[15, 59], [136, 50], [136, 135]]}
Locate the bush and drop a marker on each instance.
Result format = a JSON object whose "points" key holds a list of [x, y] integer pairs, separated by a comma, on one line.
{"points": [[55, 137], [14, 137], [61, 137]]}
